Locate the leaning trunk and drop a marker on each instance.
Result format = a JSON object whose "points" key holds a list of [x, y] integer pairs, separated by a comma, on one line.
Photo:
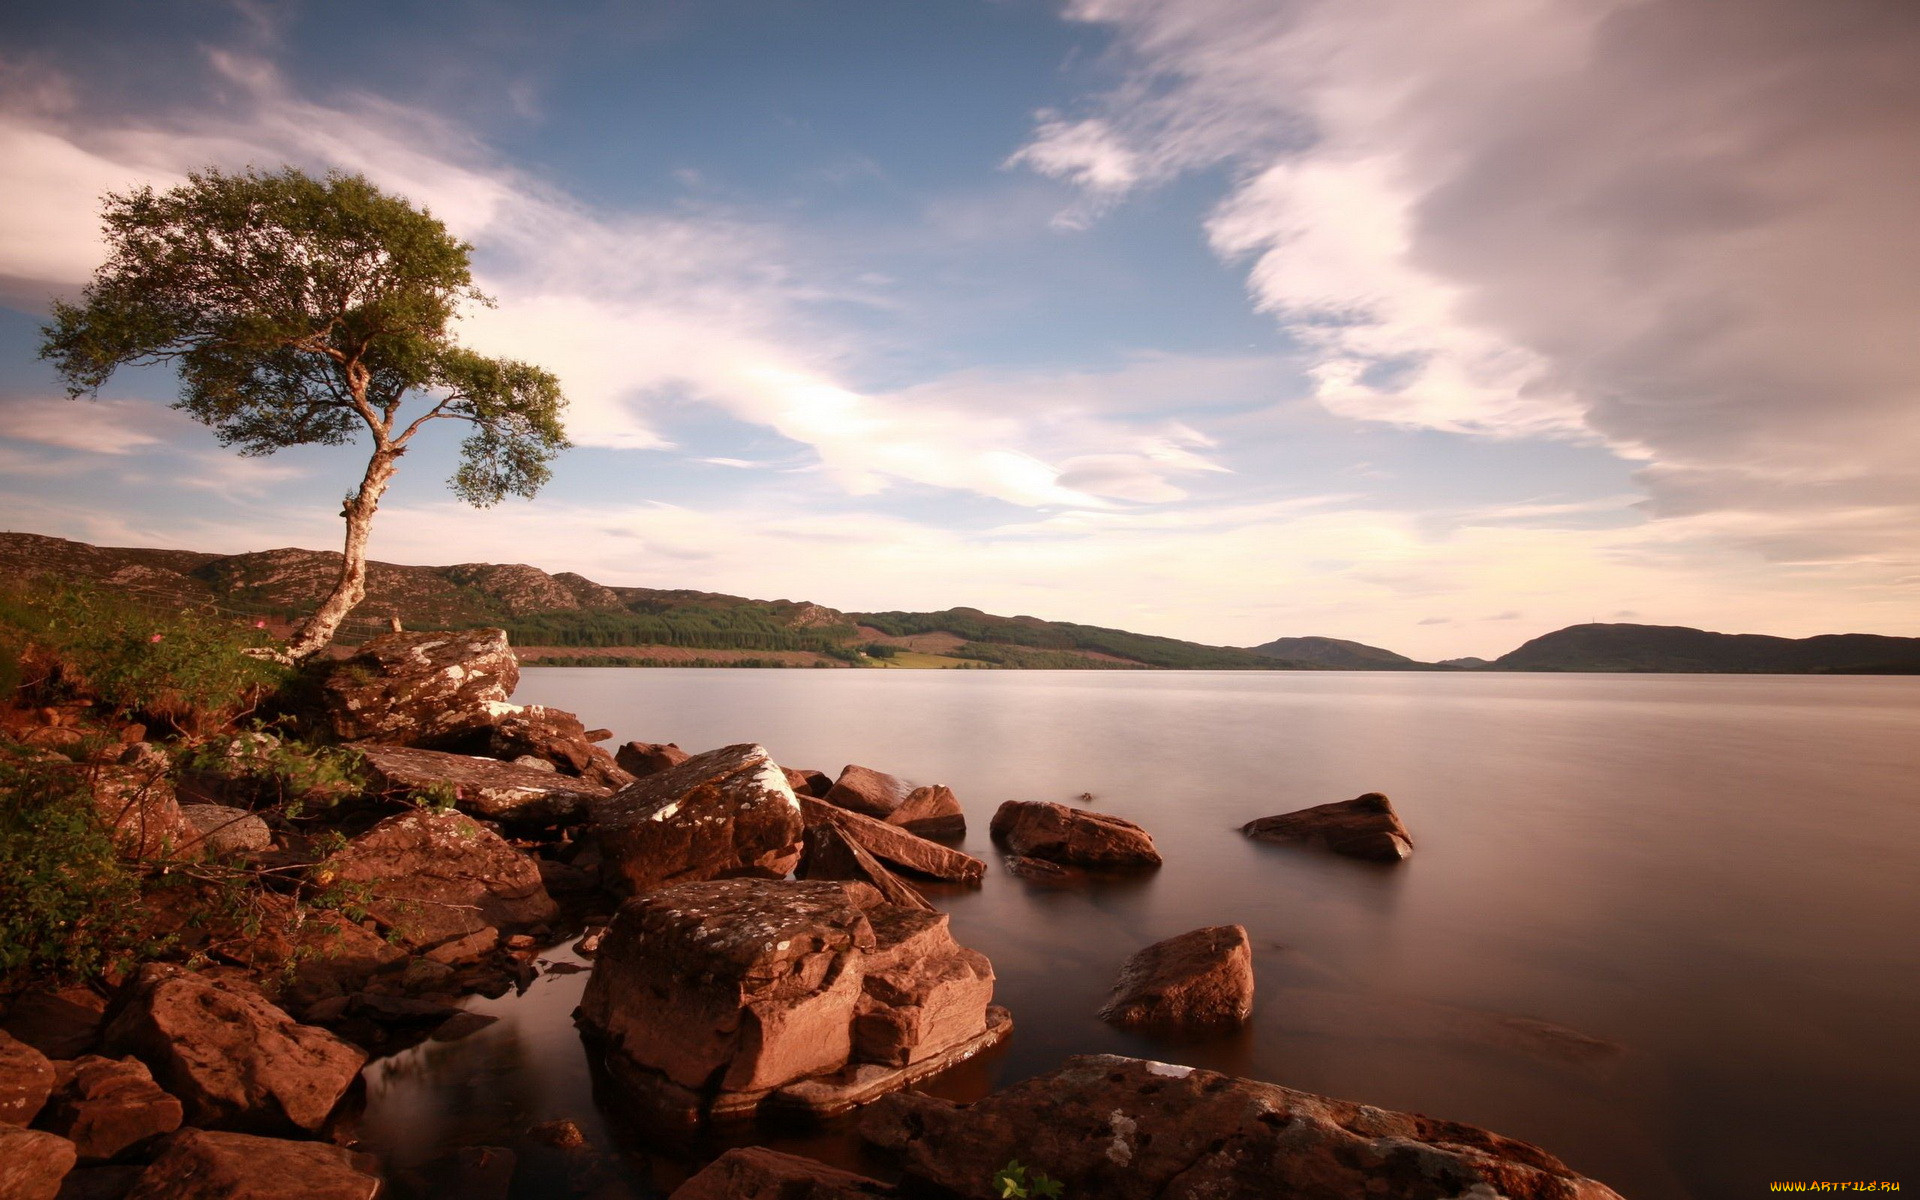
{"points": [[351, 588]]}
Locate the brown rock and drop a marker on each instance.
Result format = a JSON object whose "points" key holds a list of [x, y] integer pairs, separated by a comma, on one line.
{"points": [[930, 810], [1039, 870], [32, 1163], [1073, 836], [907, 851], [1127, 1129], [438, 876], [485, 787], [233, 1059], [99, 1183], [922, 994], [136, 802], [641, 759], [808, 783], [105, 1105], [757, 1173], [199, 1164], [420, 689], [26, 1079], [1204, 977], [829, 854], [563, 1134], [59, 1023], [746, 983], [222, 830], [555, 736], [1363, 827], [722, 814]]}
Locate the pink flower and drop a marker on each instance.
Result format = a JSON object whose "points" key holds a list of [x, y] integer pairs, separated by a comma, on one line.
{"points": [[154, 638], [259, 624]]}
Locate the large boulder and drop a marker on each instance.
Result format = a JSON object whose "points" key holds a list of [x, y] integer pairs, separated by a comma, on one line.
{"points": [[906, 851], [420, 689], [233, 1059], [105, 1105], [199, 1164], [222, 830], [1073, 837], [555, 736], [719, 815], [1363, 827], [709, 998], [506, 792], [828, 853], [640, 759], [1128, 1129], [437, 876], [26, 1079], [1200, 978], [929, 810], [757, 1173], [32, 1163]]}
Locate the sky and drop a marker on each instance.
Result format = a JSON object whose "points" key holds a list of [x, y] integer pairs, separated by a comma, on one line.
{"points": [[1432, 326]]}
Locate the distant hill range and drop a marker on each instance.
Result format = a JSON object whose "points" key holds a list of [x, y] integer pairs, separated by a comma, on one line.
{"points": [[568, 618]]}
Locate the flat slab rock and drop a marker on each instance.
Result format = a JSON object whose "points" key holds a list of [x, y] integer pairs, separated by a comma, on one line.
{"points": [[930, 810], [1363, 827], [1129, 1129], [484, 787], [1196, 979], [757, 1173], [723, 814], [1073, 837], [421, 689], [200, 1164], [438, 876], [901, 848], [828, 853]]}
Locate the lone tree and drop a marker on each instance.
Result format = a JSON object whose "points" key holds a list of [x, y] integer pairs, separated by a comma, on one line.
{"points": [[299, 311]]}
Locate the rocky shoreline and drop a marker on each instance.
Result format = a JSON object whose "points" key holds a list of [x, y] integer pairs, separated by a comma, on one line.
{"points": [[760, 950]]}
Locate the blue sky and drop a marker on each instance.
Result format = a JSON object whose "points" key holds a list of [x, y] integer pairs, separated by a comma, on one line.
{"points": [[1222, 319]]}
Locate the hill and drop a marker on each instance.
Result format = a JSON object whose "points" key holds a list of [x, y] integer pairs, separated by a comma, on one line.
{"points": [[1339, 654], [1676, 648]]}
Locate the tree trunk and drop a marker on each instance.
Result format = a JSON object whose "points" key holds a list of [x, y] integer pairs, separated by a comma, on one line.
{"points": [[317, 632]]}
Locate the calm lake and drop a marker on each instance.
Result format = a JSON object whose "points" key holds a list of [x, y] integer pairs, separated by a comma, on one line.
{"points": [[1667, 927]]}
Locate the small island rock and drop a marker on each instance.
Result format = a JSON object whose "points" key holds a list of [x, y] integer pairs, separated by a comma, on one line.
{"points": [[1073, 836], [1200, 978], [1363, 827]]}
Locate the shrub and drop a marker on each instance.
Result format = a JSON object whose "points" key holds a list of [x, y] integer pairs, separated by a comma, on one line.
{"points": [[261, 771], [1014, 1180]]}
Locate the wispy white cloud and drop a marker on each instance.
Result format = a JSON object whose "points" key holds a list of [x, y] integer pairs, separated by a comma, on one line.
{"points": [[117, 427]]}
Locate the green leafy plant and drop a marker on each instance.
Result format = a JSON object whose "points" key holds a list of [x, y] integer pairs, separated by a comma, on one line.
{"points": [[1015, 1179], [288, 777]]}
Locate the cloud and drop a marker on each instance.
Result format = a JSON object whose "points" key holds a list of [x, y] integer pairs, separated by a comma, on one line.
{"points": [[1689, 236], [100, 427]]}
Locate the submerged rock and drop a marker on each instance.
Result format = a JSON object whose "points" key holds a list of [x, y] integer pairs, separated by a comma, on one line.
{"points": [[420, 689], [233, 1059], [199, 1164], [757, 1173], [1363, 827], [438, 876], [1072, 836], [906, 851], [1128, 1129], [722, 814], [930, 810], [1200, 978], [506, 792]]}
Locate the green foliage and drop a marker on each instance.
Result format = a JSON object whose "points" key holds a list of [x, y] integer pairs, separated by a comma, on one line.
{"points": [[643, 660], [1021, 658], [880, 650], [700, 626], [1015, 1180], [180, 666], [298, 310], [985, 629], [69, 906], [258, 770]]}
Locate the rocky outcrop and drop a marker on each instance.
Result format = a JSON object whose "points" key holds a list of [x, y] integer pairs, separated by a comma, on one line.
{"points": [[641, 759], [892, 844], [1364, 827], [32, 1163], [558, 737], [719, 815], [435, 876], [233, 1059], [829, 853], [199, 1164], [929, 810], [1127, 1129], [420, 689], [757, 1173], [485, 787], [136, 802], [26, 1079], [104, 1106], [1073, 837], [708, 999], [222, 830], [1200, 978]]}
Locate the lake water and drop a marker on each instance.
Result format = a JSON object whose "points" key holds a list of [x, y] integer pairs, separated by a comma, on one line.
{"points": [[1667, 927]]}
